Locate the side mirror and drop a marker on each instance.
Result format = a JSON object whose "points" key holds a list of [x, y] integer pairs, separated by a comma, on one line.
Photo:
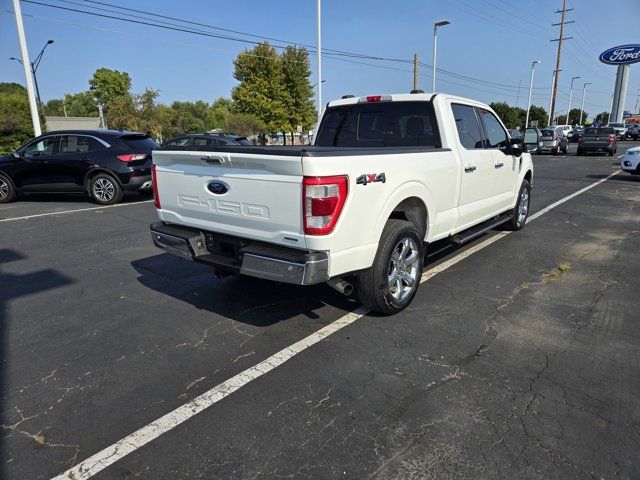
{"points": [[517, 146], [15, 155]]}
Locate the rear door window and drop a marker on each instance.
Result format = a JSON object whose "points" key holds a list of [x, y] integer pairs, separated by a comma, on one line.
{"points": [[467, 126], [78, 144], [496, 135], [380, 124]]}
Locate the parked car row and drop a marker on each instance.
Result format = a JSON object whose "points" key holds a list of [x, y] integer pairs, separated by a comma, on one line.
{"points": [[102, 163]]}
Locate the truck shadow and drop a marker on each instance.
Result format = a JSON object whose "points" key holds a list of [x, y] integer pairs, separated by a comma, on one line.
{"points": [[12, 286], [245, 299]]}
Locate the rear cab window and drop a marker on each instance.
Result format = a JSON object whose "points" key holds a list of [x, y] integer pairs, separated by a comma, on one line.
{"points": [[380, 124]]}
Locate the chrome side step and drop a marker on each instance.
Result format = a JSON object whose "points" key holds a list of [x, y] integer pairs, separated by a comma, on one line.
{"points": [[474, 232]]}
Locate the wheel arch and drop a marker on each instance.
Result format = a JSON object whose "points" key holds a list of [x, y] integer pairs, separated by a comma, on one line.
{"points": [[95, 171], [411, 202]]}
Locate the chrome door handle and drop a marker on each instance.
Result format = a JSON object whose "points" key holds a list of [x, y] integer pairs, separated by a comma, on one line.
{"points": [[216, 160], [470, 168], [499, 165]]}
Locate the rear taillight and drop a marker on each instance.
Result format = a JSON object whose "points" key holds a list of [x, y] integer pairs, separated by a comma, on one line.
{"points": [[322, 202], [554, 136], [580, 139], [154, 185], [131, 157], [612, 138]]}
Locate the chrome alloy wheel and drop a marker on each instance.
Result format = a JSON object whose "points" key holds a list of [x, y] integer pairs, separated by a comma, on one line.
{"points": [[523, 207], [104, 190], [403, 269], [4, 189]]}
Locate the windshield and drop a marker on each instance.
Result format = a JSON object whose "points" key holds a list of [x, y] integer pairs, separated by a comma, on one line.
{"points": [[547, 133], [379, 124]]}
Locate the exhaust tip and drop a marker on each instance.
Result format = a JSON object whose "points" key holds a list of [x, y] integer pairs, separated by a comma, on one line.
{"points": [[341, 286]]}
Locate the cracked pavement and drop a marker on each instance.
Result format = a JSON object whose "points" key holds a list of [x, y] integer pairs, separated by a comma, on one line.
{"points": [[521, 361]]}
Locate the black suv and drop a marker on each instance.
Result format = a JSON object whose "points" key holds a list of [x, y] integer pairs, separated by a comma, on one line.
{"points": [[103, 163], [206, 139]]}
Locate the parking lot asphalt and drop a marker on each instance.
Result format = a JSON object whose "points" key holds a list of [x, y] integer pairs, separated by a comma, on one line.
{"points": [[520, 361]]}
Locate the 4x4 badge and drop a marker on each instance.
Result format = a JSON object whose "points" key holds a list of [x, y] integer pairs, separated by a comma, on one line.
{"points": [[371, 178]]}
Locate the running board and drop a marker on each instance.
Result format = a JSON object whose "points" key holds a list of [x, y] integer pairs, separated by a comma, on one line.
{"points": [[474, 232]]}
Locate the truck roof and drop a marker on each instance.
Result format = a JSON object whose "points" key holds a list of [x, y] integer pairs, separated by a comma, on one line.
{"points": [[403, 97]]}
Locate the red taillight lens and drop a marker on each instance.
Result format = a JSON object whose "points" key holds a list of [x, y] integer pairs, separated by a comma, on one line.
{"points": [[132, 157], [322, 202], [154, 185], [612, 138], [580, 139], [374, 98]]}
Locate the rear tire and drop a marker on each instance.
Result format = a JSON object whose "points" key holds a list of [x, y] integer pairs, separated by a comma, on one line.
{"points": [[390, 284], [579, 152], [105, 190], [611, 152], [7, 190], [521, 210]]}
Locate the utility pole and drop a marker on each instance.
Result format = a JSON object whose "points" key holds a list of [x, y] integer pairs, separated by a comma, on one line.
{"points": [[560, 39], [319, 41], [33, 106], [553, 83], [415, 71]]}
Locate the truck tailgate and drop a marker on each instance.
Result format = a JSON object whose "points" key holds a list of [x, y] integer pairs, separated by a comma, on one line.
{"points": [[252, 195]]}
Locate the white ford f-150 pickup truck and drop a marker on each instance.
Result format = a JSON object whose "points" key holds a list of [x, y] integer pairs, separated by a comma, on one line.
{"points": [[386, 175]]}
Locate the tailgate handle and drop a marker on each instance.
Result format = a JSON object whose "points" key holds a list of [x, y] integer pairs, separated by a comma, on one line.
{"points": [[216, 160]]}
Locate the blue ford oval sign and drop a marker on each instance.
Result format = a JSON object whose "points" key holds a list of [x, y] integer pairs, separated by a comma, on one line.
{"points": [[621, 55], [218, 188]]}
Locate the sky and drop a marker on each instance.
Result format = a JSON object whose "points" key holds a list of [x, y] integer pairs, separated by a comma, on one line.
{"points": [[491, 41]]}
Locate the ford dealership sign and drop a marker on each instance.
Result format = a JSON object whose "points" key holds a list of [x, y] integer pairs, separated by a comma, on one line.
{"points": [[621, 55]]}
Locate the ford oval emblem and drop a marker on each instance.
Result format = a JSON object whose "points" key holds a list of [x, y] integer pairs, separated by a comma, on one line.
{"points": [[622, 55], [218, 188]]}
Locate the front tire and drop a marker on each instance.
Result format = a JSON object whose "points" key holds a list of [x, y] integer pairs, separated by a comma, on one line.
{"points": [[105, 190], [390, 284], [7, 190], [521, 210]]}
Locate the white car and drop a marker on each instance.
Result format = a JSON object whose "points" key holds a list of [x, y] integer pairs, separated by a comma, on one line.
{"points": [[386, 174], [620, 129], [631, 161]]}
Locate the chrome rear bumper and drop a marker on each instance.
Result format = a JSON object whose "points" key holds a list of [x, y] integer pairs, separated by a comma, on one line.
{"points": [[248, 258]]}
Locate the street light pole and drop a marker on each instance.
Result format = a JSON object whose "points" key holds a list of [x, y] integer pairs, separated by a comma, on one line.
{"points": [[533, 65], [319, 40], [34, 69], [35, 117], [568, 121], [584, 89], [442, 23]]}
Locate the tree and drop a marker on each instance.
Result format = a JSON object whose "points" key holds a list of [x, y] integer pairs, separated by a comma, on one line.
{"points": [[15, 117], [296, 70], [107, 85], [149, 120], [80, 104], [189, 117], [122, 113], [602, 117], [261, 91], [243, 124], [54, 107], [220, 108], [538, 114]]}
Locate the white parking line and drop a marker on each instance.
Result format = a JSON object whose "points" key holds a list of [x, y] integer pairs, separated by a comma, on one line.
{"points": [[48, 214], [101, 460], [620, 156]]}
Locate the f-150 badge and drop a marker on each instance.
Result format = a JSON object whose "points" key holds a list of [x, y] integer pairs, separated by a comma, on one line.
{"points": [[370, 178]]}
